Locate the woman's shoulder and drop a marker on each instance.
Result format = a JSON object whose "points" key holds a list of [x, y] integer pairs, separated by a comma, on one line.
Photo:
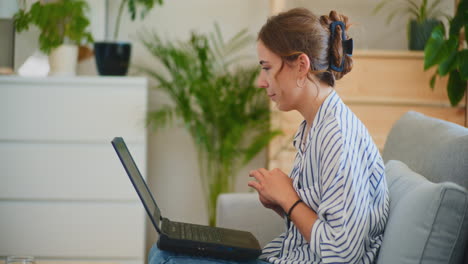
{"points": [[345, 126]]}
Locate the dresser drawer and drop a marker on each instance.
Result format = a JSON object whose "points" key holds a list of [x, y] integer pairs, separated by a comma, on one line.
{"points": [[67, 171], [72, 229], [72, 111]]}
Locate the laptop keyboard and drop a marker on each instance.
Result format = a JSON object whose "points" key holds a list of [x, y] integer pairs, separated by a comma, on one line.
{"points": [[196, 232]]}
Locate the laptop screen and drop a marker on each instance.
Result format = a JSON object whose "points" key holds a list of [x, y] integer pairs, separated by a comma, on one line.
{"points": [[137, 180]]}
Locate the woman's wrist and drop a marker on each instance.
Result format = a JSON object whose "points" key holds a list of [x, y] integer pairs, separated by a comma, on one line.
{"points": [[287, 203], [289, 212]]}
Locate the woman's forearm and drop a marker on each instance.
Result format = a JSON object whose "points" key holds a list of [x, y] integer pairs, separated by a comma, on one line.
{"points": [[302, 216]]}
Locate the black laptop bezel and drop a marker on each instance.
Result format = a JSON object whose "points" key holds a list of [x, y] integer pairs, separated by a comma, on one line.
{"points": [[115, 142]]}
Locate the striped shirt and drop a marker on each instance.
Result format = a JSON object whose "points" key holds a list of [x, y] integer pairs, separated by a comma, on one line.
{"points": [[340, 174]]}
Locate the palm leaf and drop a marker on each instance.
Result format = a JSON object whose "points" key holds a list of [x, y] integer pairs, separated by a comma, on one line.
{"points": [[160, 118], [381, 5], [258, 144], [433, 11], [412, 6]]}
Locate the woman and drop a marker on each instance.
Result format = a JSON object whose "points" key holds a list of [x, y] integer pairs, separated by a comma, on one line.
{"points": [[335, 200]]}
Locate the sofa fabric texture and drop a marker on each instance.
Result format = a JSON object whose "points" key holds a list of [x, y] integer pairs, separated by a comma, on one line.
{"points": [[434, 148], [427, 221]]}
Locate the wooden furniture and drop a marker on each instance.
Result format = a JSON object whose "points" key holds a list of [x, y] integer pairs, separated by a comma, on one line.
{"points": [[64, 194], [381, 87]]}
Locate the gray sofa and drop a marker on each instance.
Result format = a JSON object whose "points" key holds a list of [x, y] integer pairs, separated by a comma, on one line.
{"points": [[427, 174]]}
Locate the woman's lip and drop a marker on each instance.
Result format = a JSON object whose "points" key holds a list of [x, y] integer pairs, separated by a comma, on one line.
{"points": [[271, 95]]}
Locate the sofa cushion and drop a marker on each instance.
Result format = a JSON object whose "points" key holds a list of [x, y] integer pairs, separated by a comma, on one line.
{"points": [[243, 211], [434, 148], [427, 221]]}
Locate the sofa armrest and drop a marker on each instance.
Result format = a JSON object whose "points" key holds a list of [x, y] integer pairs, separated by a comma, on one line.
{"points": [[244, 211]]}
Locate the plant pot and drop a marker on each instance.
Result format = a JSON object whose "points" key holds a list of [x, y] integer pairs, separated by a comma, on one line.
{"points": [[419, 33], [62, 60], [112, 58]]}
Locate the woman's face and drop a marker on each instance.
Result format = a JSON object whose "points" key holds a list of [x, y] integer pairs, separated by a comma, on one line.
{"points": [[281, 86]]}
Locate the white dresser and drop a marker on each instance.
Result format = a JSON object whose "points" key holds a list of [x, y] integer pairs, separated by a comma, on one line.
{"points": [[64, 195]]}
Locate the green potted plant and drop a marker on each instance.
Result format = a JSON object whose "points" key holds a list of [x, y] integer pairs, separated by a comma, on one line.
{"points": [[449, 53], [424, 16], [225, 114], [63, 26], [113, 57]]}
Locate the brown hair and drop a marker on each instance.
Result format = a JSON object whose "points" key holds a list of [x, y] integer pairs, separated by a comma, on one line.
{"points": [[298, 31]]}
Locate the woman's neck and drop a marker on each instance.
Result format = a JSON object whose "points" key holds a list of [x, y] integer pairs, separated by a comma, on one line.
{"points": [[311, 101]]}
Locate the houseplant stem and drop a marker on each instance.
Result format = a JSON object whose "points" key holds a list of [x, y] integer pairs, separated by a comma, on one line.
{"points": [[119, 17]]}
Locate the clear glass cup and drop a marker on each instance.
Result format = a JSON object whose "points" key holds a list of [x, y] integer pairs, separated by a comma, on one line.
{"points": [[20, 260]]}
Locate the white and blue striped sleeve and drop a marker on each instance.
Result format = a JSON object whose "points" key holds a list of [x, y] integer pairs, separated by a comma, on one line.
{"points": [[338, 234]]}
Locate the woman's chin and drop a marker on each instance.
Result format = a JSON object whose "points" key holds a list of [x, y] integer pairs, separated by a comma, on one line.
{"points": [[282, 107]]}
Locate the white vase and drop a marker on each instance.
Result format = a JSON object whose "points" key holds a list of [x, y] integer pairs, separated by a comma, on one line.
{"points": [[63, 60]]}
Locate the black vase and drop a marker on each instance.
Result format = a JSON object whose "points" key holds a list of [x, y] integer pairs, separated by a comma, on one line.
{"points": [[112, 58], [419, 33]]}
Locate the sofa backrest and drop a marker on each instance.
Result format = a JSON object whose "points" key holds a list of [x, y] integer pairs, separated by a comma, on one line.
{"points": [[428, 222], [434, 148]]}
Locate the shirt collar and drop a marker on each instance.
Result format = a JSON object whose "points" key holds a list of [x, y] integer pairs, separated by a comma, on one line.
{"points": [[327, 106]]}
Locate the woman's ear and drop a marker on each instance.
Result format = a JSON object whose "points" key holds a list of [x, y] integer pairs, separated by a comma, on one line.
{"points": [[303, 65]]}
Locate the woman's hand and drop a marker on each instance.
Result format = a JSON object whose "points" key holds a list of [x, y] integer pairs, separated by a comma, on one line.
{"points": [[274, 187], [269, 205], [276, 191]]}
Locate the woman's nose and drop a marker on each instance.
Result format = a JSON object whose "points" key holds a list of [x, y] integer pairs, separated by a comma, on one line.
{"points": [[261, 82]]}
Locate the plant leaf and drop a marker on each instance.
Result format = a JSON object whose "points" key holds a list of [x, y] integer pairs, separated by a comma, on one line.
{"points": [[399, 11], [379, 6], [57, 21], [433, 80], [433, 51], [433, 9], [258, 144], [160, 118], [460, 19], [449, 64], [412, 5], [456, 88]]}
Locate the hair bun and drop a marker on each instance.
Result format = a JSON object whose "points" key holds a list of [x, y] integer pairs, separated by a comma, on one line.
{"points": [[336, 49]]}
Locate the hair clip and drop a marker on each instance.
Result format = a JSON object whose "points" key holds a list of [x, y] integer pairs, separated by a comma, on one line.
{"points": [[347, 44]]}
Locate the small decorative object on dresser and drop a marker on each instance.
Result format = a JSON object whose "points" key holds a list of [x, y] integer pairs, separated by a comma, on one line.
{"points": [[113, 57], [63, 25]]}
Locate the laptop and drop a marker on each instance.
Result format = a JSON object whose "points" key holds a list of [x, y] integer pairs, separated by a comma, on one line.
{"points": [[185, 238]]}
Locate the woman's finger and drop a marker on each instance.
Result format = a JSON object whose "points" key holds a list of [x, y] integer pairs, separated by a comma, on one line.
{"points": [[256, 174], [254, 185], [264, 172]]}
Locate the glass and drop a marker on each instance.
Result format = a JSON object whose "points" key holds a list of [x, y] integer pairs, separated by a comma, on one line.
{"points": [[20, 260]]}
